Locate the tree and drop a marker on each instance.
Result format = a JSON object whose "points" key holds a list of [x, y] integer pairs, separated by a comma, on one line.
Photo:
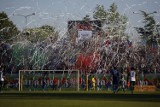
{"points": [[32, 52], [7, 31], [86, 18], [21, 54], [25, 55], [116, 22], [112, 21], [100, 12], [158, 33], [149, 31], [7, 28], [5, 56], [40, 34]]}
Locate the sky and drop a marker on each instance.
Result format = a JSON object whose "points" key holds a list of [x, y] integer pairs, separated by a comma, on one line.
{"points": [[57, 12]]}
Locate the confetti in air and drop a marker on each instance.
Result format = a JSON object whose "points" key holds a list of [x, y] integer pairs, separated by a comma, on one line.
{"points": [[47, 39]]}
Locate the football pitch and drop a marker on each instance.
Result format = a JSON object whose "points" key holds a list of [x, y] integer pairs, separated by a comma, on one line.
{"points": [[79, 99]]}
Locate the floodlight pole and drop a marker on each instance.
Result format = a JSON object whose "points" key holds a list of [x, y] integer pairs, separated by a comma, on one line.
{"points": [[25, 16], [147, 14]]}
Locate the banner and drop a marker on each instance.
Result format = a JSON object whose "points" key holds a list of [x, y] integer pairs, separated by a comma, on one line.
{"points": [[84, 34], [145, 88]]}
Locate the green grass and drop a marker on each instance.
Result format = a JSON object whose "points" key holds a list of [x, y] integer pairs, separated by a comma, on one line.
{"points": [[79, 99]]}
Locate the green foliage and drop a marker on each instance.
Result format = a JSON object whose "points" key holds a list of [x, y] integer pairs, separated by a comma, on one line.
{"points": [[148, 31], [86, 18], [5, 54], [25, 54], [39, 34], [21, 52], [31, 52], [113, 22], [7, 28], [100, 12], [39, 58], [117, 22]]}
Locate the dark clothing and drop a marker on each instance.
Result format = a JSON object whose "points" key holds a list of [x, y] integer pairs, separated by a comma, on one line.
{"points": [[1, 85], [115, 76], [132, 84], [1, 80]]}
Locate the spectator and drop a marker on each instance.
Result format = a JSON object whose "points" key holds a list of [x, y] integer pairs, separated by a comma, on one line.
{"points": [[115, 78], [44, 83], [94, 83], [132, 79], [1, 79], [123, 81]]}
